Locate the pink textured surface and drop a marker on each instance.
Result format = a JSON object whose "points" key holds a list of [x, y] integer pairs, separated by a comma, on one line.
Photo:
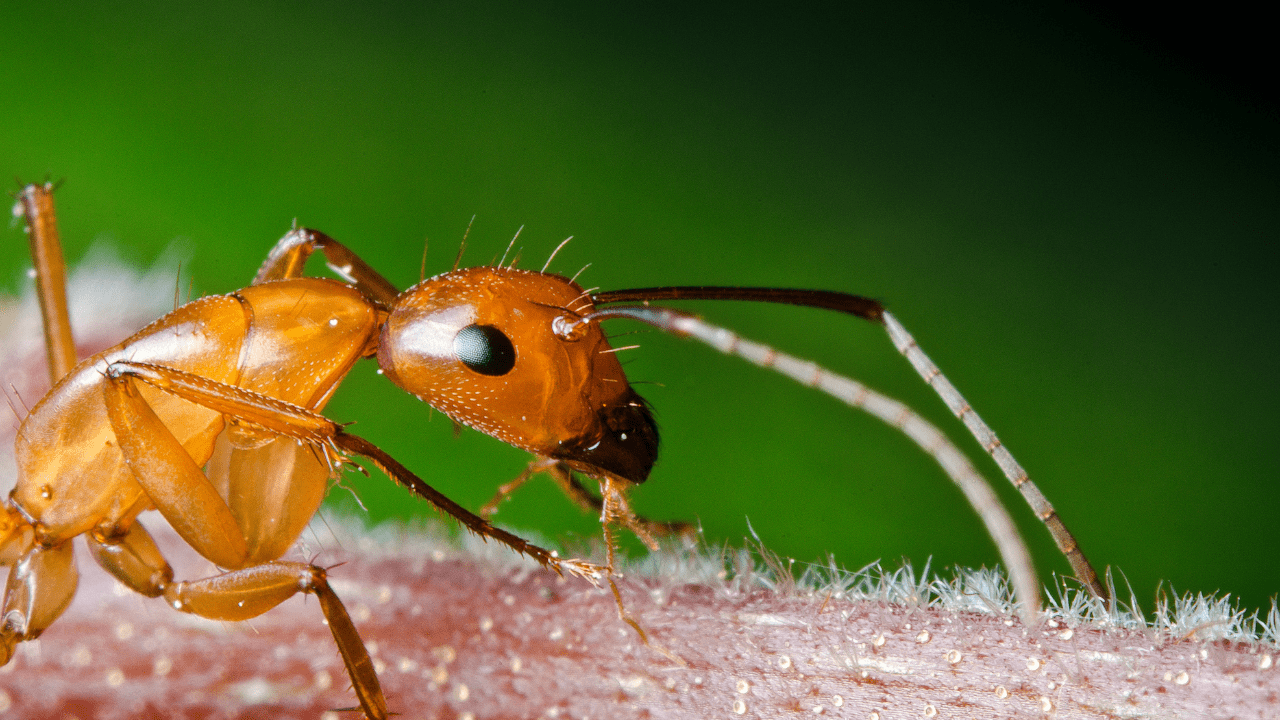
{"points": [[458, 637]]}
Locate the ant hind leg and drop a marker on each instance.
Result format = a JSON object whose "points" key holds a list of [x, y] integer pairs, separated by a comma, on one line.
{"points": [[35, 202]]}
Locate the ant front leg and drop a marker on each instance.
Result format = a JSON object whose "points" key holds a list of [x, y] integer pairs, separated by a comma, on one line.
{"points": [[289, 256], [644, 528]]}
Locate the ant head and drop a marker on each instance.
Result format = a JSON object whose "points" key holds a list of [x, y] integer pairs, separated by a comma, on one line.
{"points": [[479, 345]]}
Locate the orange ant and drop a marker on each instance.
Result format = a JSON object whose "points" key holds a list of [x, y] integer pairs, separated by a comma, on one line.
{"points": [[212, 415]]}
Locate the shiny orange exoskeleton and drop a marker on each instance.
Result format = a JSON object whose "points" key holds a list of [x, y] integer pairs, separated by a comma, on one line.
{"points": [[212, 416]]}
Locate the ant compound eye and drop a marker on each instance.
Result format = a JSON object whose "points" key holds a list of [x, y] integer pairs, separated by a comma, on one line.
{"points": [[485, 349]]}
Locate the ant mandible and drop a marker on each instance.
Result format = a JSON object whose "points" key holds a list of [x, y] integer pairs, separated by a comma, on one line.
{"points": [[212, 415]]}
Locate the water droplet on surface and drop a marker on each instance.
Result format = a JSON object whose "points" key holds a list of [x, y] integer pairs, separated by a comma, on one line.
{"points": [[81, 657]]}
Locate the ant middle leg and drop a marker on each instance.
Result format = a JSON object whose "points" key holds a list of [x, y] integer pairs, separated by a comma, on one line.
{"points": [[289, 256]]}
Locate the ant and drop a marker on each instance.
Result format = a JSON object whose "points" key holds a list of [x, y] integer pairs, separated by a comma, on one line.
{"points": [[213, 416]]}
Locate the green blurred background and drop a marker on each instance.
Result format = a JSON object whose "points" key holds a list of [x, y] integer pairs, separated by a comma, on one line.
{"points": [[1075, 218]]}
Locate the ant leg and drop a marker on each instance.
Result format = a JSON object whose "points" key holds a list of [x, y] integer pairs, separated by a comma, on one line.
{"points": [[539, 464], [133, 559], [272, 515], [193, 503], [35, 202], [610, 512], [171, 479], [40, 587], [640, 525], [569, 484], [290, 254], [617, 509], [16, 534], [247, 593]]}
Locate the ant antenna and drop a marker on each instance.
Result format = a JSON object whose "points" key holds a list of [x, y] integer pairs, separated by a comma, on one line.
{"points": [[463, 246], [510, 245], [686, 325], [547, 264], [853, 393]]}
